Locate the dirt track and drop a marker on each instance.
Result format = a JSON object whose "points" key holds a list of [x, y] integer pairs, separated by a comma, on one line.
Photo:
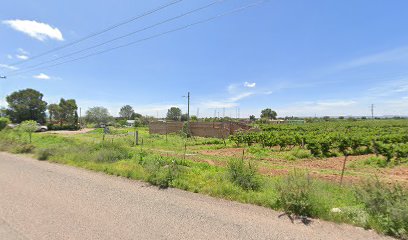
{"points": [[41, 200]]}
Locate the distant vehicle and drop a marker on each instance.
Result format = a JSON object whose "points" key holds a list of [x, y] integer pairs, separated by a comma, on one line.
{"points": [[12, 125], [40, 128]]}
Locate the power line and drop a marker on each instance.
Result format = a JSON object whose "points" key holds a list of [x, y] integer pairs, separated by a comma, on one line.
{"points": [[120, 37], [151, 37], [99, 32]]}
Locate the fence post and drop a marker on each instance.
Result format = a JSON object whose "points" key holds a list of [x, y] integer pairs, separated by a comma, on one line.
{"points": [[185, 150], [166, 130], [137, 138], [343, 169]]}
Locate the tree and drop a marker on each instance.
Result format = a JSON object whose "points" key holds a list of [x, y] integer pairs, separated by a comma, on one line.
{"points": [[126, 112], [137, 115], [252, 118], [26, 105], [268, 113], [194, 118], [4, 122], [64, 112], [54, 112], [184, 117], [174, 113], [29, 127], [68, 112], [3, 112], [97, 115]]}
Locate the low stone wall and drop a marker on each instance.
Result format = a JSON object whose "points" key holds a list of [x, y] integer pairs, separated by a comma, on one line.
{"points": [[200, 129]]}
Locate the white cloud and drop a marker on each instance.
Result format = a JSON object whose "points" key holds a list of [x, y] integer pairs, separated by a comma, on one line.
{"points": [[34, 29], [382, 57], [22, 57], [9, 56], [338, 103], [240, 96], [22, 51], [219, 104], [323, 108], [389, 88], [8, 67], [249, 85], [42, 76]]}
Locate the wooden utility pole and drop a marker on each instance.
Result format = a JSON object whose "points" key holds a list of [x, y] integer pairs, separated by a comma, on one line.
{"points": [[188, 107]]}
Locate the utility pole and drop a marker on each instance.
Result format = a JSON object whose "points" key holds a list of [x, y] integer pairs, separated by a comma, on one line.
{"points": [[80, 118], [188, 107], [372, 111], [188, 111]]}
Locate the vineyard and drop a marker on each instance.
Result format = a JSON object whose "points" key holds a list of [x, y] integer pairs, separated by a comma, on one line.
{"points": [[388, 138]]}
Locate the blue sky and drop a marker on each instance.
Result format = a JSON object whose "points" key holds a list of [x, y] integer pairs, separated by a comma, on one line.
{"points": [[300, 58]]}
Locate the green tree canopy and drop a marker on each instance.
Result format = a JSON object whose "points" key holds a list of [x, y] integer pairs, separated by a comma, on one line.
{"points": [[268, 113], [126, 112], [54, 111], [184, 117], [26, 105], [64, 112], [174, 113], [4, 122], [29, 127], [98, 115]]}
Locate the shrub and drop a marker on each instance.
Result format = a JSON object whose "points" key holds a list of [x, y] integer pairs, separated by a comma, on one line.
{"points": [[162, 173], [4, 122], [55, 127], [376, 161], [301, 153], [244, 175], [387, 207], [294, 194], [23, 148], [44, 153], [111, 152], [29, 127]]}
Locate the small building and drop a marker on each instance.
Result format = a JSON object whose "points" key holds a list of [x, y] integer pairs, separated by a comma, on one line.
{"points": [[130, 123]]}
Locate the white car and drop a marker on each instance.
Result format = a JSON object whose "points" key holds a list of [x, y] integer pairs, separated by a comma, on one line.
{"points": [[41, 128]]}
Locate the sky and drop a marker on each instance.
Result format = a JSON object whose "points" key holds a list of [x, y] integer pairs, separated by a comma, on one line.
{"points": [[299, 58]]}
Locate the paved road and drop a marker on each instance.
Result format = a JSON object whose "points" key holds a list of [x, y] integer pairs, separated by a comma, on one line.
{"points": [[41, 200]]}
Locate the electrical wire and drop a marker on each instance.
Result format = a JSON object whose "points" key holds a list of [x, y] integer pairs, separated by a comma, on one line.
{"points": [[151, 37], [99, 32], [120, 37]]}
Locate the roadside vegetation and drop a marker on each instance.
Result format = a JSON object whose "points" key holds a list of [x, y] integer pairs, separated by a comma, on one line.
{"points": [[249, 175], [349, 171]]}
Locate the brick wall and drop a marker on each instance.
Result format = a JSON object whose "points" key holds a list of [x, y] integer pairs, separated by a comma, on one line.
{"points": [[201, 129]]}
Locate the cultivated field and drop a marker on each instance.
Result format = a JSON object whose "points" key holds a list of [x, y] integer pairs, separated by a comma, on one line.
{"points": [[296, 168]]}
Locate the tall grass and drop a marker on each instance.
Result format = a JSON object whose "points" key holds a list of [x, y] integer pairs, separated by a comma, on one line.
{"points": [[296, 194]]}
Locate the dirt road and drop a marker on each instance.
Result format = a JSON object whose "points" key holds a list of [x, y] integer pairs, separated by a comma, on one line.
{"points": [[41, 200]]}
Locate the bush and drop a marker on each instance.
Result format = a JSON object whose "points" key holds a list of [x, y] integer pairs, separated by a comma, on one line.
{"points": [[44, 154], [53, 127], [294, 194], [111, 152], [301, 153], [376, 161], [23, 148], [162, 173], [4, 122], [244, 175], [387, 207]]}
